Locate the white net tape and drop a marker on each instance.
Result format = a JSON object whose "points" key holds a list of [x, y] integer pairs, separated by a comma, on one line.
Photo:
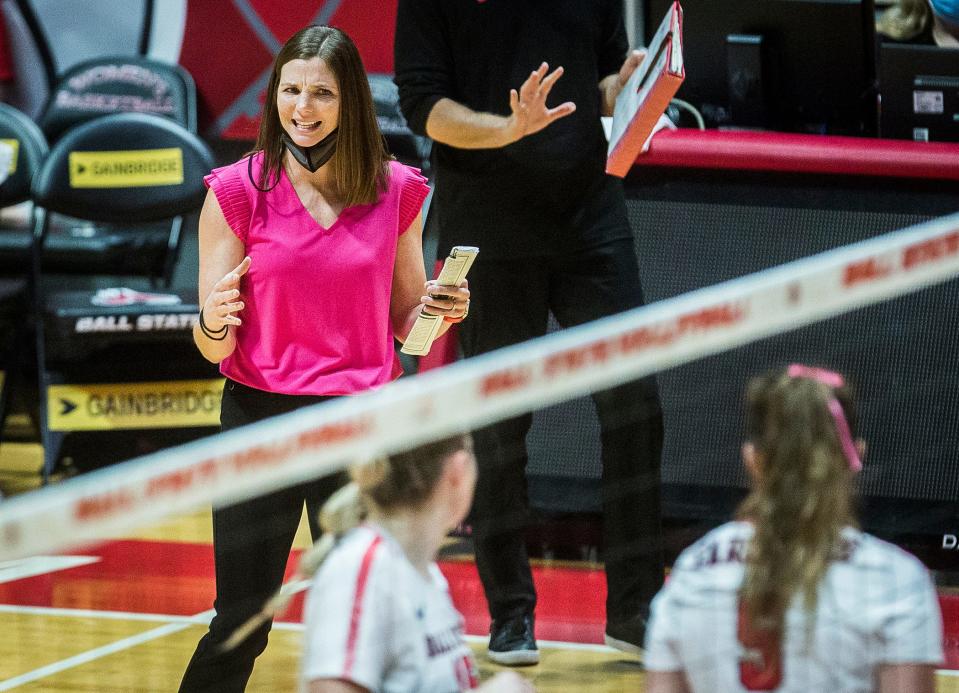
{"points": [[325, 438]]}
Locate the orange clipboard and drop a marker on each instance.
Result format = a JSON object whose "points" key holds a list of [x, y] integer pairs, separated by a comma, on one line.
{"points": [[647, 94]]}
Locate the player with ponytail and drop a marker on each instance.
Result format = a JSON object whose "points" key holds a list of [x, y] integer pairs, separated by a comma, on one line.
{"points": [[378, 615], [792, 596]]}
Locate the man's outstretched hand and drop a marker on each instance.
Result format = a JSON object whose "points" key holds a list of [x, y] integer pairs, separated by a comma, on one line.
{"points": [[530, 113]]}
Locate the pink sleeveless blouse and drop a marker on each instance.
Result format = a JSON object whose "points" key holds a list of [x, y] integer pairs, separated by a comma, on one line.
{"points": [[317, 315]]}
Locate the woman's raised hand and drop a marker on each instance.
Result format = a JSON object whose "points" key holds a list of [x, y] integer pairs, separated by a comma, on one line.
{"points": [[224, 301]]}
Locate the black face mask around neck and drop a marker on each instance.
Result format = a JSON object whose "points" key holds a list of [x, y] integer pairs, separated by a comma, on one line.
{"points": [[311, 158]]}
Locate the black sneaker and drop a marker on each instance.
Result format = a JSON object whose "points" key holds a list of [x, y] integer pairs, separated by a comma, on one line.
{"points": [[627, 635], [512, 643]]}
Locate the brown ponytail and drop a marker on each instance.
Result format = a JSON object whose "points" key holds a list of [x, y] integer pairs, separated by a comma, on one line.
{"points": [[802, 498]]}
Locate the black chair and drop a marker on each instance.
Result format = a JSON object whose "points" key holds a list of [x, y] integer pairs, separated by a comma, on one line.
{"points": [[88, 90], [136, 169], [119, 84], [29, 52], [29, 149]]}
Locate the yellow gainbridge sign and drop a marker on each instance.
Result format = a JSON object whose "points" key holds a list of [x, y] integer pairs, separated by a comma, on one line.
{"points": [[114, 406], [15, 144], [126, 169]]}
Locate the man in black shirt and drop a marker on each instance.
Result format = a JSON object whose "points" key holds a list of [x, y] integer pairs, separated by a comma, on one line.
{"points": [[525, 182]]}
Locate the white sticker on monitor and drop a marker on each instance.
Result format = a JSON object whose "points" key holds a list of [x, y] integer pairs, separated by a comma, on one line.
{"points": [[929, 102]]}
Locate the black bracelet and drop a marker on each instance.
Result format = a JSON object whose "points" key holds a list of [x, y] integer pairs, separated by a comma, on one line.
{"points": [[218, 335]]}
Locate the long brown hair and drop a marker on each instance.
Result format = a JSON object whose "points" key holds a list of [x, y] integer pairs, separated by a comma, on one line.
{"points": [[803, 496], [359, 166]]}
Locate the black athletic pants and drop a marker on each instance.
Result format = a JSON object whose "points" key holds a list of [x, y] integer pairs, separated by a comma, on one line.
{"points": [[511, 303], [251, 545]]}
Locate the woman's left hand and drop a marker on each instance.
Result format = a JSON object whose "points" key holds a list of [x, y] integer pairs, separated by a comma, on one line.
{"points": [[451, 302]]}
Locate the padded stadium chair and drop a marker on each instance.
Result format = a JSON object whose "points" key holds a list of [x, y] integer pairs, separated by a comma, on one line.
{"points": [[29, 149], [119, 84], [136, 169], [92, 89]]}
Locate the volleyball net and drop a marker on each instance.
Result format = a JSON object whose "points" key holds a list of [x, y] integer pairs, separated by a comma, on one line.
{"points": [[322, 439], [94, 601]]}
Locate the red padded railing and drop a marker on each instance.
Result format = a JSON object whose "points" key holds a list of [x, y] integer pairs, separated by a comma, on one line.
{"points": [[773, 151]]}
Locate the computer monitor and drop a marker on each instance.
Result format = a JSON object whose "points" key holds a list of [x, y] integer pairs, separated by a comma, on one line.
{"points": [[786, 65], [919, 90]]}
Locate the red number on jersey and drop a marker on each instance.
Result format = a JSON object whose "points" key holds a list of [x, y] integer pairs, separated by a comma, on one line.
{"points": [[762, 667]]}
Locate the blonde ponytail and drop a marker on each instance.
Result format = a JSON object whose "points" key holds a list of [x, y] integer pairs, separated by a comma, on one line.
{"points": [[405, 479], [342, 512]]}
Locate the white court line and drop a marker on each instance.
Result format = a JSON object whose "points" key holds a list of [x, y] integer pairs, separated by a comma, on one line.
{"points": [[176, 624], [179, 623], [41, 565], [204, 618], [201, 618], [94, 654]]}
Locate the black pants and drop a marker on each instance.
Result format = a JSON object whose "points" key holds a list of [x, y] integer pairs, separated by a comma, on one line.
{"points": [[512, 300], [251, 545]]}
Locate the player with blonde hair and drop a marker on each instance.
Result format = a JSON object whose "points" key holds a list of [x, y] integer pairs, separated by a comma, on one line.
{"points": [[378, 614], [792, 596]]}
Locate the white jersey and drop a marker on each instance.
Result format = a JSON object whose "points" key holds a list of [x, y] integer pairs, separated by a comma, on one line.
{"points": [[372, 619], [876, 605]]}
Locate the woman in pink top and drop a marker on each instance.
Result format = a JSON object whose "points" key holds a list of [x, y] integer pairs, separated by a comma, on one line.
{"points": [[311, 265]]}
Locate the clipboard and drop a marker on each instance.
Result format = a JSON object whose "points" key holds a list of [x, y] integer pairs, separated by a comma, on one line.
{"points": [[647, 94]]}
